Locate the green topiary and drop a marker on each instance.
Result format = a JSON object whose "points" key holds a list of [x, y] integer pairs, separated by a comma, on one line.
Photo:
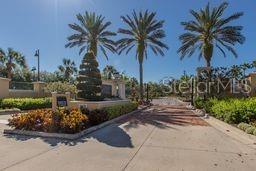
{"points": [[89, 79]]}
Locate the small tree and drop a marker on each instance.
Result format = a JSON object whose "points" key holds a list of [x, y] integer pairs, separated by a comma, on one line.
{"points": [[89, 78]]}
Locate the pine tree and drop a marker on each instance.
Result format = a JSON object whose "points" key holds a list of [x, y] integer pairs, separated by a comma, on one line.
{"points": [[89, 79]]}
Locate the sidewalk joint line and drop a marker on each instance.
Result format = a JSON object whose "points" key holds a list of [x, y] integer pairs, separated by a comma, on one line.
{"points": [[139, 148]]}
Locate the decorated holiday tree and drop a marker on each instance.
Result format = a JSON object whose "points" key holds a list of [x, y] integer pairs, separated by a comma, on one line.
{"points": [[89, 79]]}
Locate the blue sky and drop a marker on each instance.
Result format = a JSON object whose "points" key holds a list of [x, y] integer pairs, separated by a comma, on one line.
{"points": [[30, 24]]}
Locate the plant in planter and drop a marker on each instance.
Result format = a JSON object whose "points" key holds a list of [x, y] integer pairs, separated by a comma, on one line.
{"points": [[89, 79]]}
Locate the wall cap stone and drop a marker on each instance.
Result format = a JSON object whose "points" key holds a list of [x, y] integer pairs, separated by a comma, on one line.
{"points": [[7, 79]]}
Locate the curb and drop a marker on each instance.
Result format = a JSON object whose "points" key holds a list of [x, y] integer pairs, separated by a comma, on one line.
{"points": [[70, 136], [232, 131], [9, 111]]}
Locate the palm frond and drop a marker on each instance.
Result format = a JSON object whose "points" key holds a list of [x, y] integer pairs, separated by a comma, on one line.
{"points": [[90, 33], [210, 29]]}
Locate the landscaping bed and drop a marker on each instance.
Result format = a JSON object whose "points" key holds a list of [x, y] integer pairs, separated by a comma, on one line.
{"points": [[66, 121], [238, 112]]}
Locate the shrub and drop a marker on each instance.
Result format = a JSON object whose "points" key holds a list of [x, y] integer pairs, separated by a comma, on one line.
{"points": [[101, 115], [46, 120], [97, 116], [250, 130], [254, 132], [199, 103], [117, 110], [73, 121], [60, 87], [36, 120], [243, 126], [26, 103], [235, 110]]}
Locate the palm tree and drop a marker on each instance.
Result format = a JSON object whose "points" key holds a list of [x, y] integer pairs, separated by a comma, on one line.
{"points": [[144, 31], [244, 67], [11, 60], [236, 72], [91, 33], [254, 65], [210, 30], [68, 69], [109, 71]]}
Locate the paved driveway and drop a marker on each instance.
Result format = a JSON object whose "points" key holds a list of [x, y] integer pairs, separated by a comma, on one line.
{"points": [[164, 137]]}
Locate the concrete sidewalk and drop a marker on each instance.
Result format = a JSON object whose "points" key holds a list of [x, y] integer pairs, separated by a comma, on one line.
{"points": [[165, 137]]}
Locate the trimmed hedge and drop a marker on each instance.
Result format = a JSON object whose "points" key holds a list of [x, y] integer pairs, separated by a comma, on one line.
{"points": [[243, 126], [249, 129], [118, 110], [26, 103], [254, 132]]}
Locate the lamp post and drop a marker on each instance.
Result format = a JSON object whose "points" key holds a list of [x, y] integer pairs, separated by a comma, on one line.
{"points": [[37, 54]]}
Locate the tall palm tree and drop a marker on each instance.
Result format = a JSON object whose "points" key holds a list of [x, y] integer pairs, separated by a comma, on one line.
{"points": [[91, 33], [210, 30], [11, 60], [68, 69], [144, 31]]}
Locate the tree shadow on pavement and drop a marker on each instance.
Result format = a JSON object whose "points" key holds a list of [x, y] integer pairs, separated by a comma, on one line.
{"points": [[111, 135], [164, 117], [51, 141]]}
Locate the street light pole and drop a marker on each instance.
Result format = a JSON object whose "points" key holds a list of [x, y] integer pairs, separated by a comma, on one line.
{"points": [[37, 54], [147, 93]]}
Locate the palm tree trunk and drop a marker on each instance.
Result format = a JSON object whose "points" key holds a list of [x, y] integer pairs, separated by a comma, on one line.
{"points": [[9, 74], [94, 48], [9, 70], [208, 63], [141, 81]]}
